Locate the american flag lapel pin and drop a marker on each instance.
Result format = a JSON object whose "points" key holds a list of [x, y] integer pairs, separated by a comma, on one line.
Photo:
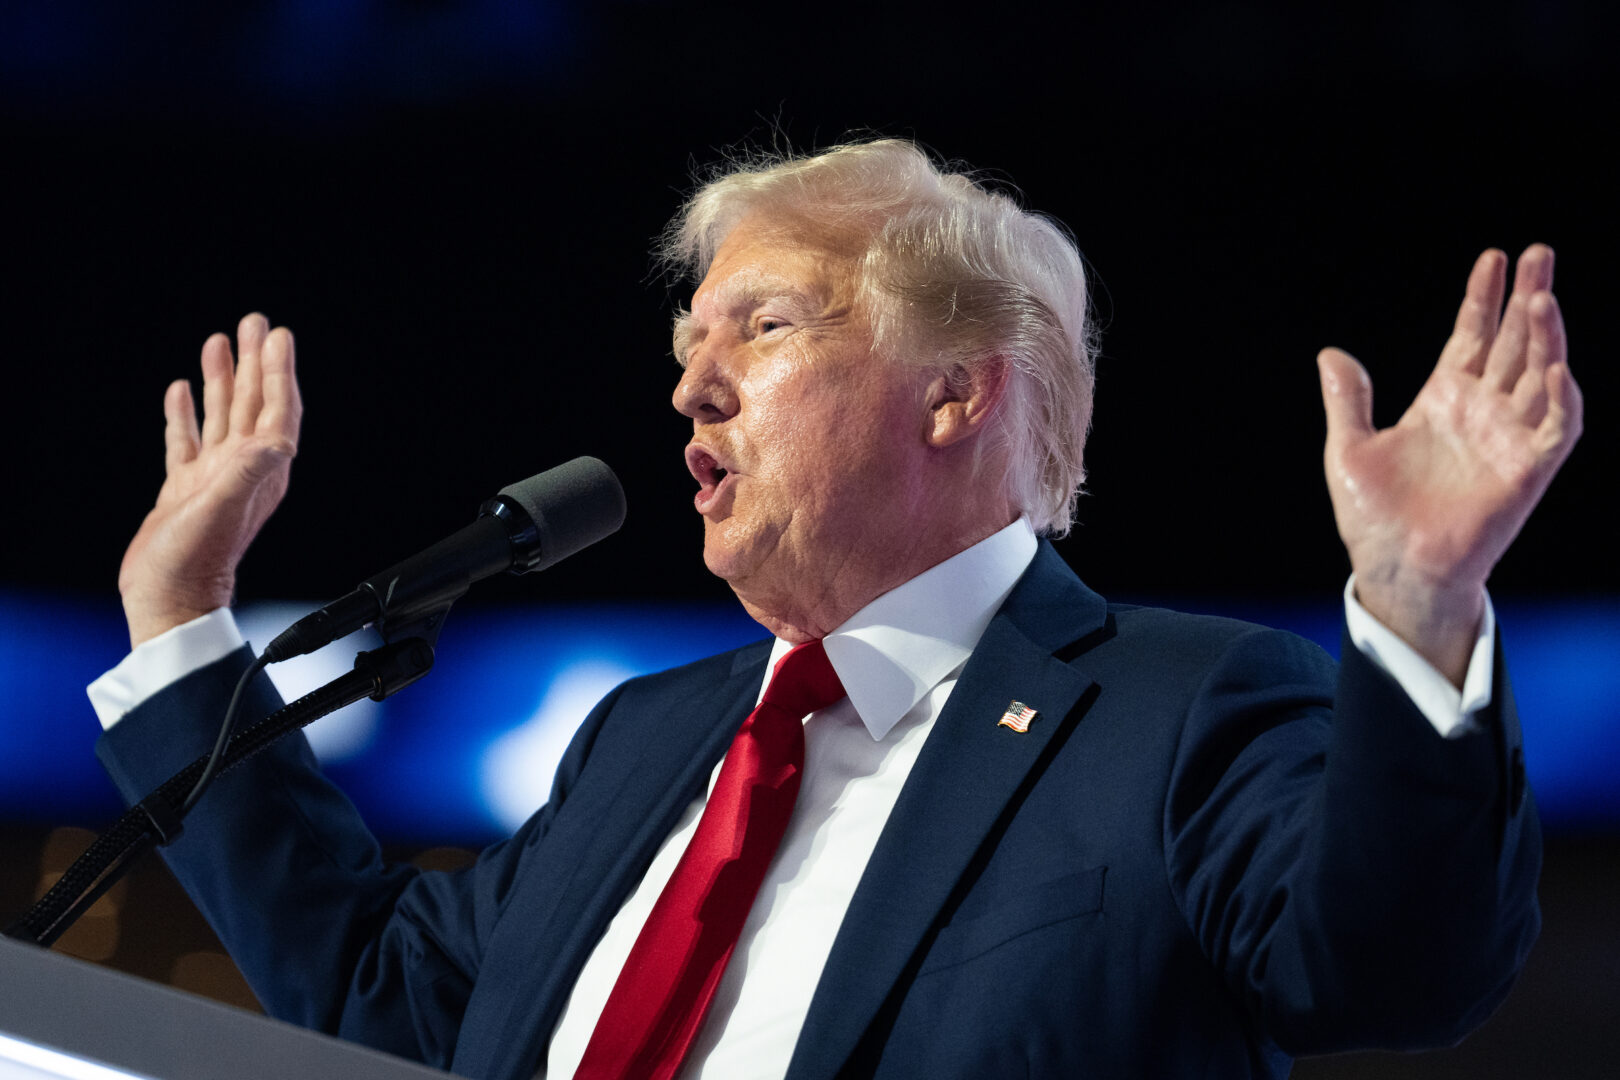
{"points": [[1017, 716]]}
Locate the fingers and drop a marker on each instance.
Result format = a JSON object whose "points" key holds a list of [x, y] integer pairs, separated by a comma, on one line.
{"points": [[1547, 345], [1562, 425], [1479, 314], [249, 397], [1535, 270], [1346, 396], [258, 393], [1506, 360], [1546, 348], [283, 410], [218, 382], [180, 436]]}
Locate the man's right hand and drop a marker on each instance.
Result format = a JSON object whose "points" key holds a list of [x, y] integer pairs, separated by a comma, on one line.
{"points": [[221, 482]]}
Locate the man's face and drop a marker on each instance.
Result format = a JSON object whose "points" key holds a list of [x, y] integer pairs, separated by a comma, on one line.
{"points": [[806, 445]]}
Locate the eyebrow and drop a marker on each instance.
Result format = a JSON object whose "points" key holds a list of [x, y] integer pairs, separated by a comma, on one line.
{"points": [[682, 333], [746, 291], [749, 285]]}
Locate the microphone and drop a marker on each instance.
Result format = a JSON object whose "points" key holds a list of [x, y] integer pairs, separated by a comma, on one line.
{"points": [[527, 526]]}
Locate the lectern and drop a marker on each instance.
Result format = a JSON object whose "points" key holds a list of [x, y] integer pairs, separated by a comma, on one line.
{"points": [[61, 1017]]}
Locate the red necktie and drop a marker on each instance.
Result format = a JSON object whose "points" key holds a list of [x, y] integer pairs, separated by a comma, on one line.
{"points": [[662, 995]]}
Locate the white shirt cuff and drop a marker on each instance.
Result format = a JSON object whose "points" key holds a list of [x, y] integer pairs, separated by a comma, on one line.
{"points": [[1450, 711], [153, 665]]}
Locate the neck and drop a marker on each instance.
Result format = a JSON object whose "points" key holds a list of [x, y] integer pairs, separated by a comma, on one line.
{"points": [[799, 614]]}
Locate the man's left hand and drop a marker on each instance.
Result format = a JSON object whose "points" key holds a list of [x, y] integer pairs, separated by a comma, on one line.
{"points": [[1427, 507]]}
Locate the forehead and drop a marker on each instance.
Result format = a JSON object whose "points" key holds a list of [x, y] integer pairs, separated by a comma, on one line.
{"points": [[765, 258]]}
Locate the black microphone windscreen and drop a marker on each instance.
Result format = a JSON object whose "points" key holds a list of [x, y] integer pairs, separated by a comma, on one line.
{"points": [[573, 506]]}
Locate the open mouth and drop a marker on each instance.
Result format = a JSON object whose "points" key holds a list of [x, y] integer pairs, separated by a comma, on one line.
{"points": [[707, 471]]}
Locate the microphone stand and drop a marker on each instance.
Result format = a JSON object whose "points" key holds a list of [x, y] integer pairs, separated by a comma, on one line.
{"points": [[526, 526], [156, 819]]}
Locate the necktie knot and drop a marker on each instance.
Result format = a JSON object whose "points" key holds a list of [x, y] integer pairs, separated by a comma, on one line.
{"points": [[804, 681]]}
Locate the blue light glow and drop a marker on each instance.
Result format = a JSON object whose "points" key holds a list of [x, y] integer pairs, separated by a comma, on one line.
{"points": [[466, 754]]}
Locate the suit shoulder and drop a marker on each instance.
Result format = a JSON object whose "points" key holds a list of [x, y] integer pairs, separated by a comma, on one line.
{"points": [[707, 672], [1200, 643], [620, 718]]}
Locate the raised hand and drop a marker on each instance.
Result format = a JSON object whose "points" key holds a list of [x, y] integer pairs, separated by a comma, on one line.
{"points": [[1427, 507], [221, 482]]}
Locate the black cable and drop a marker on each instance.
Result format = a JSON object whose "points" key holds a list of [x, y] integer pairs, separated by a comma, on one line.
{"points": [[156, 819], [224, 737]]}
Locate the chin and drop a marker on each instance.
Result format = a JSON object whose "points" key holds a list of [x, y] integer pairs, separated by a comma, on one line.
{"points": [[730, 553], [712, 560], [722, 559]]}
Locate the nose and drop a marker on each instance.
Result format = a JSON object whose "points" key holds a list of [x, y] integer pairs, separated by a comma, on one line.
{"points": [[706, 392]]}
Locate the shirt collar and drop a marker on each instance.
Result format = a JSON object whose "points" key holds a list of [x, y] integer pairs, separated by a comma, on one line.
{"points": [[896, 649]]}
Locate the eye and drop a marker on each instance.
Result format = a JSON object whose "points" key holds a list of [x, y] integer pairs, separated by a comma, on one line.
{"points": [[768, 323]]}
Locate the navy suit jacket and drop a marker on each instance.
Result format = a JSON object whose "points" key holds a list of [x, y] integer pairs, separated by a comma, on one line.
{"points": [[1210, 851]]}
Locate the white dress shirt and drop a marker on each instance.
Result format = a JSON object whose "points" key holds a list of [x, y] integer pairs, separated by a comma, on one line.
{"points": [[898, 658]]}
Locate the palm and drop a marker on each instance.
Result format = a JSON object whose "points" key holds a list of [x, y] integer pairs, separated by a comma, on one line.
{"points": [[1433, 502], [1443, 489], [222, 481]]}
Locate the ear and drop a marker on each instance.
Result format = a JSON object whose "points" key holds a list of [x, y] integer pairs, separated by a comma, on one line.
{"points": [[962, 399]]}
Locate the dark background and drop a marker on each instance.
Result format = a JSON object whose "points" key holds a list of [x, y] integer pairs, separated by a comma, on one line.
{"points": [[453, 208], [452, 205]]}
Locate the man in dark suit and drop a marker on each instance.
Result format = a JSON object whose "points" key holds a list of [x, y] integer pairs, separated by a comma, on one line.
{"points": [[1040, 834]]}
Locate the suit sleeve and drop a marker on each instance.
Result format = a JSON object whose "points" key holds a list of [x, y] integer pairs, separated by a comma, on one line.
{"points": [[327, 933], [1359, 880]]}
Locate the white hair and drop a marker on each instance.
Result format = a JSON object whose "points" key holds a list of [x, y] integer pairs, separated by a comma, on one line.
{"points": [[957, 277]]}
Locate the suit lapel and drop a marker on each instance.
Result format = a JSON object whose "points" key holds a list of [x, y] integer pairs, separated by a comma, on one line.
{"points": [[596, 850], [968, 773]]}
